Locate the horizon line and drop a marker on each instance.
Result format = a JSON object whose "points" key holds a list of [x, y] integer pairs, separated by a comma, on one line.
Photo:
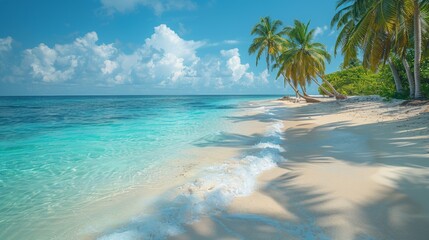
{"points": [[140, 95]]}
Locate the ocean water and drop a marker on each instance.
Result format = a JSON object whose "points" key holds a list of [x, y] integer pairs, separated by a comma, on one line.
{"points": [[209, 194], [59, 155]]}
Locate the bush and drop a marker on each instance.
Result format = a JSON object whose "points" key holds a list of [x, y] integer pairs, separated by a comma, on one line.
{"points": [[425, 77], [359, 81]]}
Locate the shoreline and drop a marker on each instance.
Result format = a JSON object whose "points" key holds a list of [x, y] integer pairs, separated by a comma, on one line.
{"points": [[189, 172], [281, 170], [91, 216], [355, 169]]}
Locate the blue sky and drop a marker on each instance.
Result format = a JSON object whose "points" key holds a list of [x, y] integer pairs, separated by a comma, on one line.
{"points": [[85, 47]]}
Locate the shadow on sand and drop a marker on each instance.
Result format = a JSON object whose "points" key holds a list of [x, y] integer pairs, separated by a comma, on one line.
{"points": [[400, 211]]}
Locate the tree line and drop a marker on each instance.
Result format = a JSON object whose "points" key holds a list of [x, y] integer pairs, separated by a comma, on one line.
{"points": [[372, 33]]}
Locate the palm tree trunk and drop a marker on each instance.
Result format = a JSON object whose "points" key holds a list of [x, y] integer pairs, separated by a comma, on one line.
{"points": [[304, 90], [307, 99], [323, 88], [295, 89], [297, 94], [396, 77], [336, 94], [417, 49], [410, 77]]}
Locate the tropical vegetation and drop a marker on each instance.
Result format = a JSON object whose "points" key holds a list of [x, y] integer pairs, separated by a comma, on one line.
{"points": [[384, 44], [357, 80], [297, 58], [382, 31]]}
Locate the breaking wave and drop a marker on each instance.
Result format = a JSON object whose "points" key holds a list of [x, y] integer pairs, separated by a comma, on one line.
{"points": [[209, 194]]}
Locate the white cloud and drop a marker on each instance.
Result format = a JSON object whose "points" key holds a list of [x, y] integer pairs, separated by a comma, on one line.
{"points": [[171, 58], [158, 6], [109, 67], [5, 49], [166, 40], [231, 42], [44, 62], [162, 60], [83, 58], [264, 76], [223, 43], [5, 44], [238, 70], [320, 30]]}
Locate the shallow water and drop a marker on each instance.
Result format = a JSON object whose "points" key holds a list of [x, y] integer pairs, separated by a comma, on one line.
{"points": [[59, 155], [210, 193]]}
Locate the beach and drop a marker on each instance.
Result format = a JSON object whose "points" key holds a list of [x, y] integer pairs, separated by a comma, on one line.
{"points": [[354, 169], [245, 168], [88, 167], [229, 120]]}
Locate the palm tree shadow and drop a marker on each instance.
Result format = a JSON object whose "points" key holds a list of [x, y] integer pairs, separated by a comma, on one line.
{"points": [[401, 213], [392, 215]]}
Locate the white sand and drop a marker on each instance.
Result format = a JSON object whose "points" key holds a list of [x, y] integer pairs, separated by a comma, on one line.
{"points": [[356, 169], [118, 212]]}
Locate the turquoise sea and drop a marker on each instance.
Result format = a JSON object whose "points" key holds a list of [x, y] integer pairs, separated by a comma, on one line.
{"points": [[61, 154]]}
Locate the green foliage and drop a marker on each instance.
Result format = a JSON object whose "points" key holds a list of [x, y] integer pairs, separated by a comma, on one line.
{"points": [[302, 59], [425, 69], [386, 76], [353, 62], [268, 39], [425, 77], [360, 81]]}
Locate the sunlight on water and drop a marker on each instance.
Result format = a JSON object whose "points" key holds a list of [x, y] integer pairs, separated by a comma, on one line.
{"points": [[59, 154]]}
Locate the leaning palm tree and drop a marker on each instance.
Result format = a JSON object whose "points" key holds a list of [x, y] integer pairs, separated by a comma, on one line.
{"points": [[269, 40], [303, 60], [379, 28], [366, 28]]}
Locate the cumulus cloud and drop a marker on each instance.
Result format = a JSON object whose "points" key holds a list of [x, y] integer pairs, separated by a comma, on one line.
{"points": [[80, 59], [320, 30], [109, 67], [5, 53], [264, 76], [165, 39], [171, 55], [237, 69], [158, 6], [163, 60], [5, 44]]}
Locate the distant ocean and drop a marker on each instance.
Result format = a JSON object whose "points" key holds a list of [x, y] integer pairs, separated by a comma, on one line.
{"points": [[60, 154]]}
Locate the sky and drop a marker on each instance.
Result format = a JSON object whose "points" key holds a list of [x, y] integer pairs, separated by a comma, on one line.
{"points": [[142, 47]]}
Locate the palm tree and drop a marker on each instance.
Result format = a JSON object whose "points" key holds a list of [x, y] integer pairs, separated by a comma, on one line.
{"points": [[349, 13], [417, 46], [269, 40], [356, 20], [379, 28], [303, 60]]}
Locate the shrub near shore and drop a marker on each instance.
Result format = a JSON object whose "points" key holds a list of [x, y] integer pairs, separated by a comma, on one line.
{"points": [[359, 81]]}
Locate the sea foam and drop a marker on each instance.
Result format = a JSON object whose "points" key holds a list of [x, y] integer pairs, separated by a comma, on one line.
{"points": [[209, 194]]}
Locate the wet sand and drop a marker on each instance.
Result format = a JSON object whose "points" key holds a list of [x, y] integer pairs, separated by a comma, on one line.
{"points": [[355, 169], [118, 212]]}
